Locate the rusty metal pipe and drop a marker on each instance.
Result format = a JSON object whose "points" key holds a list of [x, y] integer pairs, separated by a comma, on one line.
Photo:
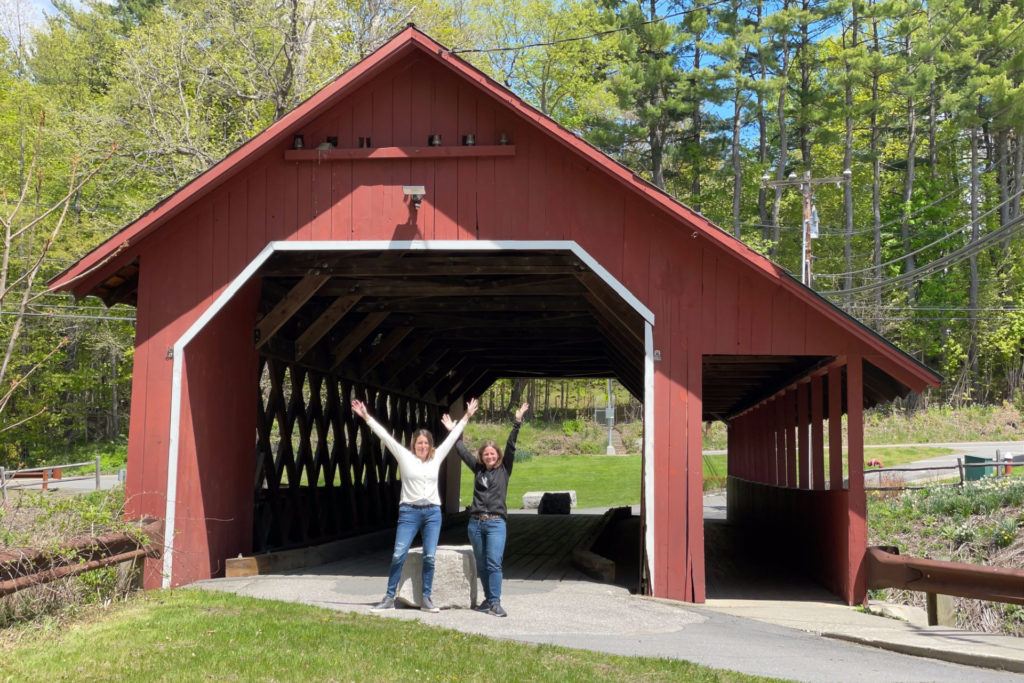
{"points": [[49, 575], [23, 562], [996, 584]]}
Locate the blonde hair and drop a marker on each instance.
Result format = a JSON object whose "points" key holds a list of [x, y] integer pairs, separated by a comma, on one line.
{"points": [[430, 440], [489, 444]]}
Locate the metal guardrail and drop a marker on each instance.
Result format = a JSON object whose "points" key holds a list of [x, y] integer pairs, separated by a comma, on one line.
{"points": [[888, 569], [1001, 467], [46, 476], [26, 567]]}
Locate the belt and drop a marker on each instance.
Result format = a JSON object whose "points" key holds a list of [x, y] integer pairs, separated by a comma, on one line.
{"points": [[419, 507], [484, 517]]}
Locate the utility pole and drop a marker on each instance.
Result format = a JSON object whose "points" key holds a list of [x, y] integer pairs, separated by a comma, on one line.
{"points": [[810, 222]]}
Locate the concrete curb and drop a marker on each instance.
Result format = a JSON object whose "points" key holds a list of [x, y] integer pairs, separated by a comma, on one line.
{"points": [[986, 661]]}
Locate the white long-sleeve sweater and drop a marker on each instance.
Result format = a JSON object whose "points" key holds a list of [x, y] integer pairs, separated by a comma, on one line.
{"points": [[419, 478]]}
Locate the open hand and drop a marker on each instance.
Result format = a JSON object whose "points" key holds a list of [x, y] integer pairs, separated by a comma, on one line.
{"points": [[448, 422], [522, 411], [359, 408], [471, 407]]}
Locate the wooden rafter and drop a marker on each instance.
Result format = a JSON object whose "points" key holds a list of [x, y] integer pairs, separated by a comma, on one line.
{"points": [[287, 306], [391, 340], [324, 323], [356, 337]]}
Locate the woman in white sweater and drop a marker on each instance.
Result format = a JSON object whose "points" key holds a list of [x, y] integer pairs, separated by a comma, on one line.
{"points": [[420, 508]]}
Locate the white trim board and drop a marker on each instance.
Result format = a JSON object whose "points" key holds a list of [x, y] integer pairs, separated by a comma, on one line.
{"points": [[382, 245]]}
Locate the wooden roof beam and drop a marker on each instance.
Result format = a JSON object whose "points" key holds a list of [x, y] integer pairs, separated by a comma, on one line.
{"points": [[338, 309], [282, 312], [353, 339], [388, 344]]}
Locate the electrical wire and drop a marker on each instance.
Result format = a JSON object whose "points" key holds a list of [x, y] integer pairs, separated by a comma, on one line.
{"points": [[927, 246], [942, 262]]}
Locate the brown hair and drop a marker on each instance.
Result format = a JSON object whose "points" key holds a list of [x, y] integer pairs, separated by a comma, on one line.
{"points": [[489, 444], [430, 440]]}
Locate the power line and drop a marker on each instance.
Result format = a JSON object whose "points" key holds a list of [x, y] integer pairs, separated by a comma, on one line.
{"points": [[941, 262], [927, 246]]}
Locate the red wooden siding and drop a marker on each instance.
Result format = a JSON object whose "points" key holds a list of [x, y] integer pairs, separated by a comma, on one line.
{"points": [[705, 301]]}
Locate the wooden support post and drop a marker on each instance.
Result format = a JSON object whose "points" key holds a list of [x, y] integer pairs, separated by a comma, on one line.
{"points": [[857, 527], [835, 429], [817, 436], [780, 442], [789, 409], [803, 439]]}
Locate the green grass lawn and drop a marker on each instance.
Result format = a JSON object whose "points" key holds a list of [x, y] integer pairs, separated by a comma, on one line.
{"points": [[608, 480], [195, 635], [894, 456]]}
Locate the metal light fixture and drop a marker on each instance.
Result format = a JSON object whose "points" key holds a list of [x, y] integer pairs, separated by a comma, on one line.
{"points": [[365, 142], [469, 140], [332, 140], [298, 142], [434, 140], [415, 194], [503, 139]]}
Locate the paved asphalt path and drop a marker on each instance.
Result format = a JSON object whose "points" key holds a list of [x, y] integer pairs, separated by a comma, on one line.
{"points": [[593, 616], [985, 449]]}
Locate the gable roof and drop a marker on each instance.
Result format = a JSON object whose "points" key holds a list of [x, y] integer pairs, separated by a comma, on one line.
{"points": [[113, 254]]}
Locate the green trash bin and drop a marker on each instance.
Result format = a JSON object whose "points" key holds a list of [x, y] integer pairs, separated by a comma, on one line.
{"points": [[977, 473]]}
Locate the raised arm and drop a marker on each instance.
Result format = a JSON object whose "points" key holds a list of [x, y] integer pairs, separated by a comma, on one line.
{"points": [[441, 452], [460, 445], [510, 445], [390, 442]]}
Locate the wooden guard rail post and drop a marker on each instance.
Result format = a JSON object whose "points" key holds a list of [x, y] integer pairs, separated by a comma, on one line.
{"points": [[887, 569], [25, 567]]}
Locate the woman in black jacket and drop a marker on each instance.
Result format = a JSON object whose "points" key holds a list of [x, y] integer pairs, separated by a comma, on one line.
{"points": [[487, 529]]}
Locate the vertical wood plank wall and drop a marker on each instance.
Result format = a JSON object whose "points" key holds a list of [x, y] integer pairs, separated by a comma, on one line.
{"points": [[705, 302], [825, 520]]}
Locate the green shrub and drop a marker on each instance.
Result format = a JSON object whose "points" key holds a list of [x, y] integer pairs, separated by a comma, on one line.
{"points": [[574, 426]]}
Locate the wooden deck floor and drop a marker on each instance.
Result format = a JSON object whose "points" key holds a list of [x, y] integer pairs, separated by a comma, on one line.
{"points": [[539, 548]]}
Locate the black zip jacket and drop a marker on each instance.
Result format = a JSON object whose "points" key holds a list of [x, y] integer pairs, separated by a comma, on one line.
{"points": [[490, 487]]}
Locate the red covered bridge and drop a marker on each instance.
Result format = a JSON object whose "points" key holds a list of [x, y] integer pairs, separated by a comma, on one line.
{"points": [[315, 274]]}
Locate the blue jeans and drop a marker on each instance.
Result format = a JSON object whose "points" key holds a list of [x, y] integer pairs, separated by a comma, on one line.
{"points": [[413, 520], [488, 539]]}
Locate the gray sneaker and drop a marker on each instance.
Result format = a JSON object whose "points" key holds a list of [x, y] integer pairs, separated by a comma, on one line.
{"points": [[496, 610], [484, 606], [427, 605], [385, 604]]}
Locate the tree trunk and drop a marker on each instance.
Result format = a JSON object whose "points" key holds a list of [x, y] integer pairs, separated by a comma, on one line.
{"points": [[762, 133], [972, 355], [909, 264], [876, 179], [803, 129], [780, 113], [848, 161], [737, 172], [695, 184]]}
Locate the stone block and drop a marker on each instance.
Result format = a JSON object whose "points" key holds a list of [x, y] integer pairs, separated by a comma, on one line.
{"points": [[531, 499], [455, 580], [555, 504]]}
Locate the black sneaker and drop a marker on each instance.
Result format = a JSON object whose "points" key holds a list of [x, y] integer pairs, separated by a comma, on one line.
{"points": [[428, 606], [484, 606], [385, 604], [496, 610]]}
